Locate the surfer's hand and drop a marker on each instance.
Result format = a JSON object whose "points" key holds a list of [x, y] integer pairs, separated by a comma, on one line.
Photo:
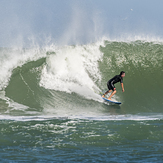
{"points": [[123, 90]]}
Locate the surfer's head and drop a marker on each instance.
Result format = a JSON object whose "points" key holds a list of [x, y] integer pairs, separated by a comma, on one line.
{"points": [[122, 74]]}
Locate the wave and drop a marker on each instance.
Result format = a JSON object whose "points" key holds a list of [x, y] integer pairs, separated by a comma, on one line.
{"points": [[68, 81]]}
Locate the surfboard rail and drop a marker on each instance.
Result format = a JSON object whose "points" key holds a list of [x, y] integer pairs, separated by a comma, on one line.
{"points": [[115, 102]]}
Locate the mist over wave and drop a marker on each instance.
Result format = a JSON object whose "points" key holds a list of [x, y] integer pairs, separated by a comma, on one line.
{"points": [[77, 22]]}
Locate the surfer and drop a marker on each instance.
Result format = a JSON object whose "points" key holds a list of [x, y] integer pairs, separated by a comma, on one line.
{"points": [[111, 82]]}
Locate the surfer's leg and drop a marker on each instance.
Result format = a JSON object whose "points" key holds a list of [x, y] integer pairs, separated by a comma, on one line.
{"points": [[106, 93], [109, 90], [112, 94]]}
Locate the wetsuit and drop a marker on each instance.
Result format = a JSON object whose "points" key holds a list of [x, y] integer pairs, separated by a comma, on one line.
{"points": [[113, 81]]}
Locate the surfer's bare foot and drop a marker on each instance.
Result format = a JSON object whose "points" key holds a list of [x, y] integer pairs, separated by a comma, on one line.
{"points": [[109, 98], [103, 96]]}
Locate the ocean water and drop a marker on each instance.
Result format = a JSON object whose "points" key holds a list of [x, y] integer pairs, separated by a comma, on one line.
{"points": [[51, 108]]}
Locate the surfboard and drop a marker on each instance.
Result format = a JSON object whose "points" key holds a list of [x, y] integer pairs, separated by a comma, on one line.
{"points": [[114, 102]]}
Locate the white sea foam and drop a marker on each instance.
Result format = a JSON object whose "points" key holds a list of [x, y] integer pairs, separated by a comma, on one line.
{"points": [[126, 117], [12, 58], [73, 69]]}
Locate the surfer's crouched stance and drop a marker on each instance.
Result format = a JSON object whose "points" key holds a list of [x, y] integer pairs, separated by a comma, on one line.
{"points": [[111, 82]]}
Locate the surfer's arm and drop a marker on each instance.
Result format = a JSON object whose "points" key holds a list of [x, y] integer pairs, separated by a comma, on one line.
{"points": [[122, 87]]}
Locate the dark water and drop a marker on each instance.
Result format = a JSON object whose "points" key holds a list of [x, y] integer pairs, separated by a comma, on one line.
{"points": [[51, 107], [77, 140]]}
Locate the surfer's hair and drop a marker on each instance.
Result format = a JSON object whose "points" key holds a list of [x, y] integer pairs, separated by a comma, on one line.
{"points": [[122, 72]]}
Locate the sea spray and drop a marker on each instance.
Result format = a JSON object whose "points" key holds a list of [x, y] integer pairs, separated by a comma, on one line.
{"points": [[73, 69]]}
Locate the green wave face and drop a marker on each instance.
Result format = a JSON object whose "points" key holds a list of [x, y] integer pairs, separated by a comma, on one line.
{"points": [[142, 62]]}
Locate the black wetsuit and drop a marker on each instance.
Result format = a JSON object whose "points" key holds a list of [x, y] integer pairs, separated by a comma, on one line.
{"points": [[113, 81]]}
